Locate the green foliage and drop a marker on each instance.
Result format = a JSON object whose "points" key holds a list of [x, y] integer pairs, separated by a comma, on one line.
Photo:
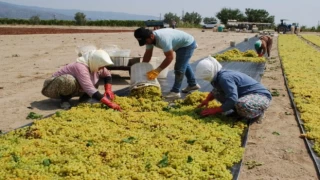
{"points": [[169, 17], [192, 18], [125, 23], [33, 115], [46, 162], [258, 15], [227, 13], [164, 162], [208, 20], [190, 159], [80, 18], [35, 20]]}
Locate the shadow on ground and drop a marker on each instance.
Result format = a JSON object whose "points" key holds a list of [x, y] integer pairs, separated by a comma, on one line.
{"points": [[51, 104]]}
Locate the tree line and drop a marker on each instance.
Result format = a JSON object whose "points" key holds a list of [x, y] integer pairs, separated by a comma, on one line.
{"points": [[225, 14], [189, 19]]}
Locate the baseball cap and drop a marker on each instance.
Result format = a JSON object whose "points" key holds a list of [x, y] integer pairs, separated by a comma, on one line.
{"points": [[141, 34]]}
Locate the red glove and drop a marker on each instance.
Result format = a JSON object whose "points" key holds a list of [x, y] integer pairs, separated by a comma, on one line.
{"points": [[108, 92], [260, 55], [211, 111], [110, 104], [206, 101]]}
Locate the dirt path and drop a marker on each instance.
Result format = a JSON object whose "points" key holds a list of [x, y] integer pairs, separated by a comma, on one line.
{"points": [[27, 60], [275, 143]]}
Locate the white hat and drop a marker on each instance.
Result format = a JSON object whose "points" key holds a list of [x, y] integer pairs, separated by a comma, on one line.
{"points": [[207, 69], [95, 59]]}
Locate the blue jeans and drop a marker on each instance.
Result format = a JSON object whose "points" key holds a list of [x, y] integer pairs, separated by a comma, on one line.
{"points": [[182, 67]]}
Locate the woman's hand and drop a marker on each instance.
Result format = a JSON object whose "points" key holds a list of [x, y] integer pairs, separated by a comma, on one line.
{"points": [[211, 111]]}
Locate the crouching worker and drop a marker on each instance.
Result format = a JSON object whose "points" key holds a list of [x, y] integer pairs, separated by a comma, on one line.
{"points": [[263, 45], [81, 78], [235, 90]]}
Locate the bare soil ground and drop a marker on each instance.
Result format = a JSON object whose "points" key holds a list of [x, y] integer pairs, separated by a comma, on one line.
{"points": [[27, 60]]}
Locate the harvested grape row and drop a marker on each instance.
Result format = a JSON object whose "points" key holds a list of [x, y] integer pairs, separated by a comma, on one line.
{"points": [[147, 140], [301, 67]]}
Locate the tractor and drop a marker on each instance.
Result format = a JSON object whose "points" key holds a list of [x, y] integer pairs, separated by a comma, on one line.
{"points": [[283, 27]]}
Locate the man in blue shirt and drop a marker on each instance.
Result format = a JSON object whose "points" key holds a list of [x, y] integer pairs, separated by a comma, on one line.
{"points": [[235, 90], [170, 41]]}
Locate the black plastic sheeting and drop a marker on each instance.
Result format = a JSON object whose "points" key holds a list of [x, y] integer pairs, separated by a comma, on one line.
{"points": [[309, 144], [243, 46], [254, 70]]}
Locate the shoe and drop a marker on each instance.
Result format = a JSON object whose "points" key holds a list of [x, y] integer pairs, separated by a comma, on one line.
{"points": [[84, 98], [65, 105], [173, 95], [191, 88]]}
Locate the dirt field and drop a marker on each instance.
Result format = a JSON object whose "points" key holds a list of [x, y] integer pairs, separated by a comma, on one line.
{"points": [[27, 60]]}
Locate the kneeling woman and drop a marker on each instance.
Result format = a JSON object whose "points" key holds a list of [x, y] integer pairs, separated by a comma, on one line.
{"points": [[81, 78], [235, 90]]}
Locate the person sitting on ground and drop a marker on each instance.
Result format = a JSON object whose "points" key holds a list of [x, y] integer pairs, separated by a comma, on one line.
{"points": [[235, 90], [81, 78], [170, 41], [263, 45]]}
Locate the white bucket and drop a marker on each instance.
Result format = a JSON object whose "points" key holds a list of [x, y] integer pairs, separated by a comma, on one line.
{"points": [[138, 77], [120, 57], [155, 62]]}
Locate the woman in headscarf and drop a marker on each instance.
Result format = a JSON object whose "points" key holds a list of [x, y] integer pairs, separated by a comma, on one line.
{"points": [[235, 90], [81, 78]]}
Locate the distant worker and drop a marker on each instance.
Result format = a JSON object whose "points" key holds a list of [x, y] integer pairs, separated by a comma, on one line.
{"points": [[235, 90], [263, 45], [81, 78], [170, 41], [173, 24]]}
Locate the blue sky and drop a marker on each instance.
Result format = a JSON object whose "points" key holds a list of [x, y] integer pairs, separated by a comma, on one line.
{"points": [[305, 12]]}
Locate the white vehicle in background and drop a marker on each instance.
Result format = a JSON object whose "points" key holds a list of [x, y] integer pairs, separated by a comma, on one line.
{"points": [[209, 25]]}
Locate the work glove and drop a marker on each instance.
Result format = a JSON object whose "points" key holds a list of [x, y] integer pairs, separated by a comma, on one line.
{"points": [[206, 101], [110, 104], [154, 73], [108, 92], [211, 111]]}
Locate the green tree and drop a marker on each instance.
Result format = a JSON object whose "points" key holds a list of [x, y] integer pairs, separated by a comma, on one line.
{"points": [[259, 15], [80, 18], [208, 20], [35, 20], [192, 18], [168, 17], [227, 14]]}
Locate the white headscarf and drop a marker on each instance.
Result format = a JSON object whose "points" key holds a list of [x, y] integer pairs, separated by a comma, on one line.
{"points": [[95, 59], [207, 69]]}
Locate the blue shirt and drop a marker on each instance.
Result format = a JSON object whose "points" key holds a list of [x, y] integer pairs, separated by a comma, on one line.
{"points": [[171, 39], [236, 85]]}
